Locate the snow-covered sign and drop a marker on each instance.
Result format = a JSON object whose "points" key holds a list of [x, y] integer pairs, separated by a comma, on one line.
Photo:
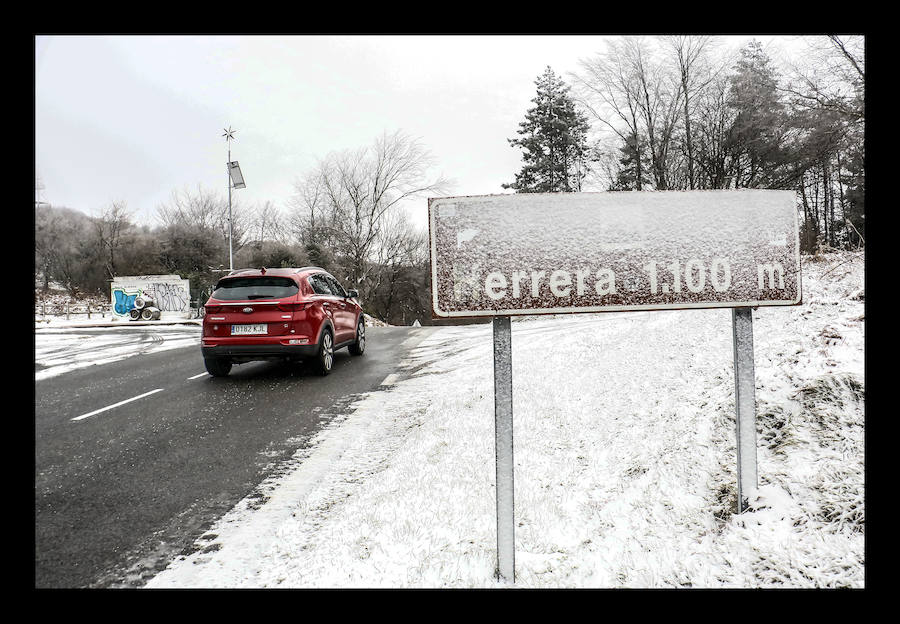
{"points": [[547, 253]]}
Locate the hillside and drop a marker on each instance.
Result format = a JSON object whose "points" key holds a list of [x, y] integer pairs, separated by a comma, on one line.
{"points": [[624, 461]]}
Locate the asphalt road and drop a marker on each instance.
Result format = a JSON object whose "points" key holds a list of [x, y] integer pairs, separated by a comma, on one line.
{"points": [[120, 492]]}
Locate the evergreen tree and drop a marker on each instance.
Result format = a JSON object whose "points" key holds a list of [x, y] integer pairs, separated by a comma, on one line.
{"points": [[553, 140], [630, 175], [757, 132]]}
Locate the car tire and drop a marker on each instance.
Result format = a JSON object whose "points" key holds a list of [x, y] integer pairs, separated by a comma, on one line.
{"points": [[217, 367], [325, 357], [358, 347]]}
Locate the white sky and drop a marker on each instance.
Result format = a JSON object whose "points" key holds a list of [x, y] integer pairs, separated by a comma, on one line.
{"points": [[135, 118]]}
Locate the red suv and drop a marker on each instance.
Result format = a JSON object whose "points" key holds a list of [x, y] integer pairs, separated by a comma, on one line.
{"points": [[269, 314]]}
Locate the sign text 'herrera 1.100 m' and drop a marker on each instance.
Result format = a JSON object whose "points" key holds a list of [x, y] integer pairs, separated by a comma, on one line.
{"points": [[548, 253]]}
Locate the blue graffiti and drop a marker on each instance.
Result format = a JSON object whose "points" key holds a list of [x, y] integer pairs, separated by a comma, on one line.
{"points": [[124, 302]]}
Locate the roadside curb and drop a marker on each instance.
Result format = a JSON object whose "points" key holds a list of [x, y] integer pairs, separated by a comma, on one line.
{"points": [[75, 325]]}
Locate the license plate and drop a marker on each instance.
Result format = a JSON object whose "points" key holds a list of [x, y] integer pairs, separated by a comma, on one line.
{"points": [[245, 330]]}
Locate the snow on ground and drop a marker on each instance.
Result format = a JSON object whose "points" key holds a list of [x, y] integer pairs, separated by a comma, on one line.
{"points": [[625, 464], [63, 344]]}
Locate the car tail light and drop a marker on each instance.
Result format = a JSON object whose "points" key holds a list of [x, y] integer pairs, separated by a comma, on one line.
{"points": [[212, 309], [293, 307]]}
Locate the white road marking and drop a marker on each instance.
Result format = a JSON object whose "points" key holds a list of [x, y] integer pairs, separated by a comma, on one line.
{"points": [[195, 376], [109, 407]]}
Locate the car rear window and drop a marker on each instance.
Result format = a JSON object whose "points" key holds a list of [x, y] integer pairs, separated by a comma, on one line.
{"points": [[237, 288]]}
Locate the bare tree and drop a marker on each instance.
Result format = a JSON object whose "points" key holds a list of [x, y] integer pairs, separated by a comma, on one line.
{"points": [[205, 211], [607, 89], [306, 208], [695, 74], [350, 198], [399, 249], [831, 75], [111, 227], [51, 235], [267, 223], [634, 93], [659, 98], [66, 249], [714, 118]]}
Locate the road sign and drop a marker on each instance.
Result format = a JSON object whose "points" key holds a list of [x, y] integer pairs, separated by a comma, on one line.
{"points": [[503, 255], [549, 253], [237, 178]]}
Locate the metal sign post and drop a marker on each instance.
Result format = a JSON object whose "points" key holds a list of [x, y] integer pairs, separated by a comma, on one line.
{"points": [[553, 253], [235, 180], [229, 137], [744, 404], [503, 432]]}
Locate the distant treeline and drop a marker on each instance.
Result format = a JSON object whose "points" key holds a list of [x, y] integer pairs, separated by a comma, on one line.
{"points": [[344, 218], [683, 112]]}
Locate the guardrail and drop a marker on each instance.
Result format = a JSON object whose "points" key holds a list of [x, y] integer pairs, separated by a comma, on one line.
{"points": [[69, 309]]}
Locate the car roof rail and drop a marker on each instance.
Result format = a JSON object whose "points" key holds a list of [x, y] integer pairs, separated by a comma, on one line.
{"points": [[294, 270]]}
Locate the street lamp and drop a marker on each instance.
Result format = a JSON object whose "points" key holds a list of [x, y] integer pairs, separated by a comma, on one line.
{"points": [[236, 180]]}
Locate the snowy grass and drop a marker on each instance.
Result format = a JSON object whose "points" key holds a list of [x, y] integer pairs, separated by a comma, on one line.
{"points": [[625, 463]]}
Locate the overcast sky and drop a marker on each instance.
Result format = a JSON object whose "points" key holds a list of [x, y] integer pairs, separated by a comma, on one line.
{"points": [[135, 118]]}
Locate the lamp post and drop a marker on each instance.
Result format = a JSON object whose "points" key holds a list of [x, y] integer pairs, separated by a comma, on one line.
{"points": [[235, 179]]}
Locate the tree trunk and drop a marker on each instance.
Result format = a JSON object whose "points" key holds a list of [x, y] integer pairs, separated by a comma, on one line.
{"points": [[810, 229], [815, 206], [637, 149], [841, 197], [687, 138], [825, 188]]}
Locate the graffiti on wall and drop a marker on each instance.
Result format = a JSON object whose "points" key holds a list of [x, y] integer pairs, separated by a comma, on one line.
{"points": [[123, 301], [169, 293], [171, 297]]}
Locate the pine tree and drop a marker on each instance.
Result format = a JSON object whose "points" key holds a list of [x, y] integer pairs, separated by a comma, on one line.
{"points": [[553, 140], [757, 133], [630, 175]]}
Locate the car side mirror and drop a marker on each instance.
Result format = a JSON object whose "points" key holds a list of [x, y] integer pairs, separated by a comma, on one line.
{"points": [[353, 294]]}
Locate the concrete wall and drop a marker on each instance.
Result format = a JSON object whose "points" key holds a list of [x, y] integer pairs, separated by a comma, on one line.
{"points": [[170, 293]]}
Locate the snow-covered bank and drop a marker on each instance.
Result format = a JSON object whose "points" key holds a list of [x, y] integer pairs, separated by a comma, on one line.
{"points": [[62, 345], [624, 461]]}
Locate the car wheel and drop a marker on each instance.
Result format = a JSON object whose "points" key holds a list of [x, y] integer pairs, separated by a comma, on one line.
{"points": [[325, 357], [217, 367], [359, 346]]}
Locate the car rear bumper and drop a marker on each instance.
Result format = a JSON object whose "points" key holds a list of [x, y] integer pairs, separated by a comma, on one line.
{"points": [[260, 351]]}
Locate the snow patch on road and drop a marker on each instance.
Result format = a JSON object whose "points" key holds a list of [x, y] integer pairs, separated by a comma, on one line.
{"points": [[58, 350]]}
